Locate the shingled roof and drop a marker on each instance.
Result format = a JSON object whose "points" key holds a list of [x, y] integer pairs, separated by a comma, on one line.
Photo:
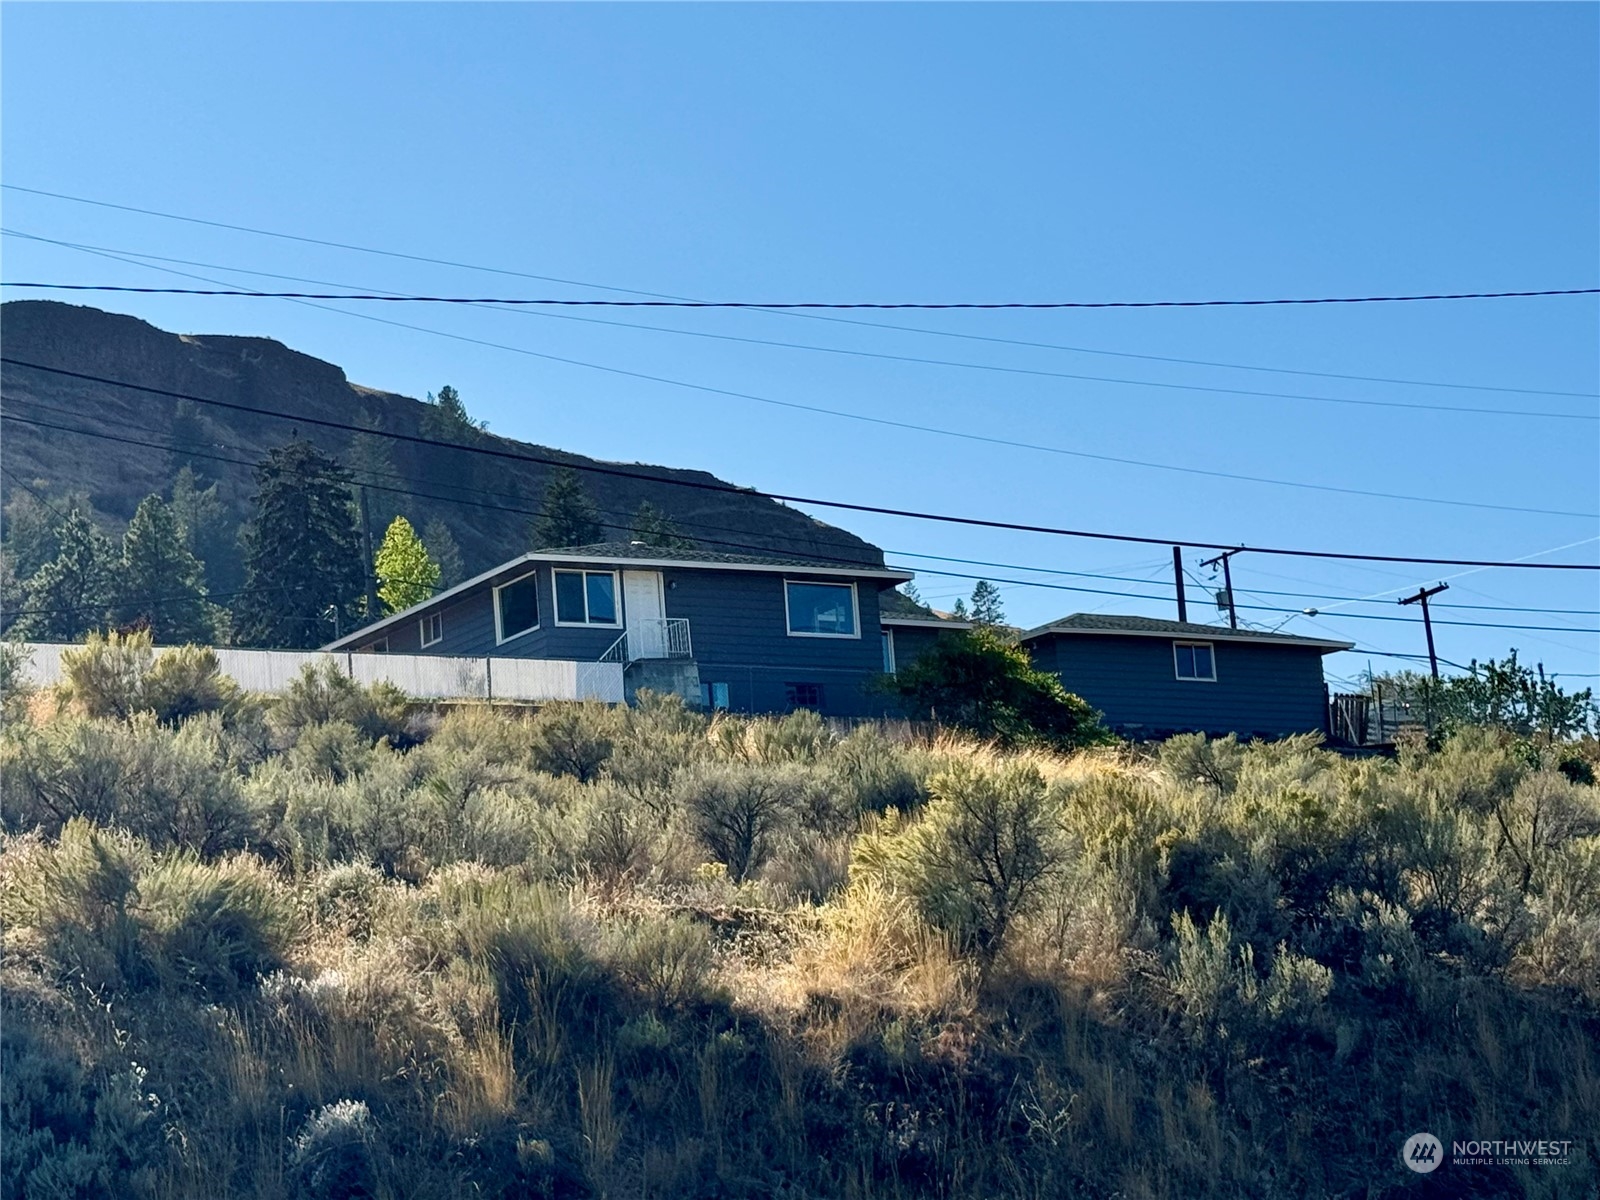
{"points": [[1114, 626], [639, 550]]}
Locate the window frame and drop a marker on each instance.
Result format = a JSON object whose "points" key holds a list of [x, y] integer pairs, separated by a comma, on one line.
{"points": [[376, 646], [855, 609], [890, 666], [584, 573], [499, 633], [1211, 649], [423, 639]]}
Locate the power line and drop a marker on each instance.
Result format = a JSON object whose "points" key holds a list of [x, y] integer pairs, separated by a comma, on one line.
{"points": [[505, 271], [1291, 613], [914, 427], [731, 489], [111, 252], [550, 302]]}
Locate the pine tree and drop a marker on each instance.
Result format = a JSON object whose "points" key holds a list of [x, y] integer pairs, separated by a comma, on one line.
{"points": [[160, 582], [69, 595], [909, 591], [406, 574], [448, 418], [654, 528], [208, 533], [303, 562], [442, 548], [567, 517], [191, 440], [987, 607], [959, 612]]}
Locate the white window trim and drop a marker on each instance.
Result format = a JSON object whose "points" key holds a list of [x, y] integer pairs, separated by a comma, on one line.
{"points": [[855, 610], [499, 640], [585, 572], [422, 629], [1212, 678], [892, 667]]}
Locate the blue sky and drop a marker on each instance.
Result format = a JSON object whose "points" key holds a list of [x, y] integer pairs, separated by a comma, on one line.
{"points": [[894, 152]]}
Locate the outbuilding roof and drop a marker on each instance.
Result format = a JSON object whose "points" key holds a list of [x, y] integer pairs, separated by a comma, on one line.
{"points": [[1111, 625]]}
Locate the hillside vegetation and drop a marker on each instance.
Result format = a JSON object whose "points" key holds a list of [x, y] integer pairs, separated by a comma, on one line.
{"points": [[335, 946], [424, 483]]}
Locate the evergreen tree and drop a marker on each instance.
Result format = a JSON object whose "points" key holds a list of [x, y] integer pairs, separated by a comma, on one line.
{"points": [[31, 532], [406, 574], [442, 548], [654, 528], [909, 591], [567, 517], [959, 612], [987, 608], [207, 532], [448, 418], [303, 562], [69, 595], [161, 583], [191, 439]]}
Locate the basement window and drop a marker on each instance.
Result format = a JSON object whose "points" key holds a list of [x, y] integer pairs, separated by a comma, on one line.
{"points": [[1195, 661], [803, 695]]}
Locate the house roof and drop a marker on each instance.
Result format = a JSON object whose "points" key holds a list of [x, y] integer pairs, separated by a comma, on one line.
{"points": [[918, 621], [1110, 625], [632, 554]]}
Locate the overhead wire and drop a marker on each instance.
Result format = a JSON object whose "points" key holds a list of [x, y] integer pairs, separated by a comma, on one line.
{"points": [[967, 336], [909, 425], [933, 572], [494, 306], [726, 488], [571, 302]]}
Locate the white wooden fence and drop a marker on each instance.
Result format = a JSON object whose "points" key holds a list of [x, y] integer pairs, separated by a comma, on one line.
{"points": [[424, 676]]}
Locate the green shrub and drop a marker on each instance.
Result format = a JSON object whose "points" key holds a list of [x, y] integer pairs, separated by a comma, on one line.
{"points": [[667, 963], [215, 926], [878, 775], [984, 845], [321, 693], [170, 787], [1193, 758], [333, 750], [573, 737], [120, 674], [739, 813], [983, 683]]}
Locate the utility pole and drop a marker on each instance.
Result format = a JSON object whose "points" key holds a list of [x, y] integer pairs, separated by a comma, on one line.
{"points": [[1227, 582], [1177, 578], [1427, 621]]}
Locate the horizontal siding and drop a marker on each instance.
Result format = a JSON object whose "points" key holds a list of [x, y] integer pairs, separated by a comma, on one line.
{"points": [[737, 625], [739, 628], [1261, 690]]}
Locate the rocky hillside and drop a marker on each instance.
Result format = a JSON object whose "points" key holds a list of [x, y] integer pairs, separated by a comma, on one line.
{"points": [[422, 482]]}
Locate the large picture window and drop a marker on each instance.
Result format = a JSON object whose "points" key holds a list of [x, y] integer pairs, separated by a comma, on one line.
{"points": [[516, 608], [586, 598], [1195, 661], [821, 609]]}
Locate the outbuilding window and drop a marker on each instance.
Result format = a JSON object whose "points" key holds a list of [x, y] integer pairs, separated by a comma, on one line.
{"points": [[1195, 661], [803, 695]]}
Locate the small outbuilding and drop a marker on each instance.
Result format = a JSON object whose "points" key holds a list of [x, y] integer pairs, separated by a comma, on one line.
{"points": [[1153, 678]]}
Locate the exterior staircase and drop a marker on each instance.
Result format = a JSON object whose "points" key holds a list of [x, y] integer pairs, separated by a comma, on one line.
{"points": [[657, 655]]}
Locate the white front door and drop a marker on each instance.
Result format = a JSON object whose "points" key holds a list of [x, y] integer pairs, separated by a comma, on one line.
{"points": [[645, 606]]}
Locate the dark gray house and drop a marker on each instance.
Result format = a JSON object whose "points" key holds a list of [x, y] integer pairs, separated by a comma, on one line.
{"points": [[1154, 678], [740, 632]]}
